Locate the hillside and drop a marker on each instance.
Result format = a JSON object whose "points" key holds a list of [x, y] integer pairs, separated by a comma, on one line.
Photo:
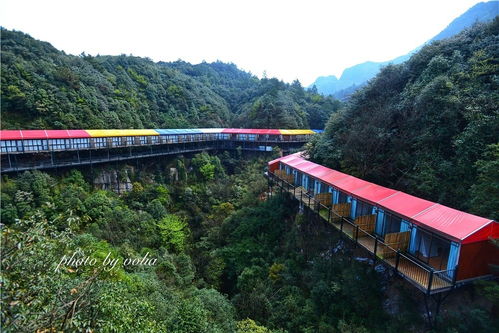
{"points": [[196, 243], [356, 76], [428, 126], [43, 87]]}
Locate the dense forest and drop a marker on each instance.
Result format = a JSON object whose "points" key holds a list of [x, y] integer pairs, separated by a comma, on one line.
{"points": [[43, 87], [428, 126], [228, 258]]}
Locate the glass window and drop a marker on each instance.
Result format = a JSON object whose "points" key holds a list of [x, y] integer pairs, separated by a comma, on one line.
{"points": [[11, 146], [392, 223], [100, 142], [342, 198], [432, 249], [363, 208], [28, 145], [81, 143], [35, 145]]}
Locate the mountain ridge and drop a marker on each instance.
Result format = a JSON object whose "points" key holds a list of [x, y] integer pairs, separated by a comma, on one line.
{"points": [[358, 75], [45, 88]]}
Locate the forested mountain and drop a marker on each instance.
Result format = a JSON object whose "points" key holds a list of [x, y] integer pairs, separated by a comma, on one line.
{"points": [[46, 88], [261, 102], [357, 76], [230, 257], [428, 126]]}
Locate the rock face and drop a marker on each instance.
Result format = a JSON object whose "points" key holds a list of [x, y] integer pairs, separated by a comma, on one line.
{"points": [[114, 180], [173, 174]]}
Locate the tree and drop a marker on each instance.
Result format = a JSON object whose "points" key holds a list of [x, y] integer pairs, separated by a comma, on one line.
{"points": [[487, 186], [174, 232], [249, 326]]}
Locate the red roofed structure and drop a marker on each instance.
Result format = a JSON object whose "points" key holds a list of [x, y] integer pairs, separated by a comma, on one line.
{"points": [[445, 240]]}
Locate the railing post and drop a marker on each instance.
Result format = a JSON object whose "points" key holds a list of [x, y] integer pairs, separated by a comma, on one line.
{"points": [[430, 281], [309, 202], [397, 260], [454, 276], [341, 223], [329, 215], [375, 246], [356, 234]]}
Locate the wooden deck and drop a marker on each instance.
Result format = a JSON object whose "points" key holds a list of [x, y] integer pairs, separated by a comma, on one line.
{"points": [[409, 268]]}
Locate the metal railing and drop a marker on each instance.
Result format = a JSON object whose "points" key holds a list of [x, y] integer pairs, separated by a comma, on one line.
{"points": [[74, 157], [419, 274]]}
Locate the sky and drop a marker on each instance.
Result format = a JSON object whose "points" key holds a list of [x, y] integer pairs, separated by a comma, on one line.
{"points": [[284, 39]]}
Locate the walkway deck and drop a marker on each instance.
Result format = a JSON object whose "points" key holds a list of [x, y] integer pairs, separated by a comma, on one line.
{"points": [[32, 160], [420, 275]]}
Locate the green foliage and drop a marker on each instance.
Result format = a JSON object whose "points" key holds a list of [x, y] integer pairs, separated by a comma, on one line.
{"points": [[207, 166], [249, 326], [174, 232], [46, 88], [275, 271], [208, 171], [343, 327], [424, 126], [487, 185], [223, 256], [56, 216], [120, 310]]}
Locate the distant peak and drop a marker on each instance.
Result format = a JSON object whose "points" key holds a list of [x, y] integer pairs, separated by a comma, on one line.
{"points": [[327, 77]]}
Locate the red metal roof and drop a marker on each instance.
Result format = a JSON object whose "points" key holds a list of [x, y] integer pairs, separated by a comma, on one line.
{"points": [[374, 193], [42, 134], [272, 164], [451, 221], [490, 231], [34, 134], [334, 176], [296, 163], [10, 135], [350, 184], [405, 204], [455, 224], [306, 167], [66, 134], [319, 171]]}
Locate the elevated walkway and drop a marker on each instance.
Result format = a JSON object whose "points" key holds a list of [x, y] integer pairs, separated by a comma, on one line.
{"points": [[390, 251], [59, 158]]}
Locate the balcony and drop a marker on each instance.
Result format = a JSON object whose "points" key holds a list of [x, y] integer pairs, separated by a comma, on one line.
{"points": [[391, 251]]}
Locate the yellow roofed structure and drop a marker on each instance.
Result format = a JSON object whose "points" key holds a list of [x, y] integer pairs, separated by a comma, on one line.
{"points": [[296, 131], [120, 132]]}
